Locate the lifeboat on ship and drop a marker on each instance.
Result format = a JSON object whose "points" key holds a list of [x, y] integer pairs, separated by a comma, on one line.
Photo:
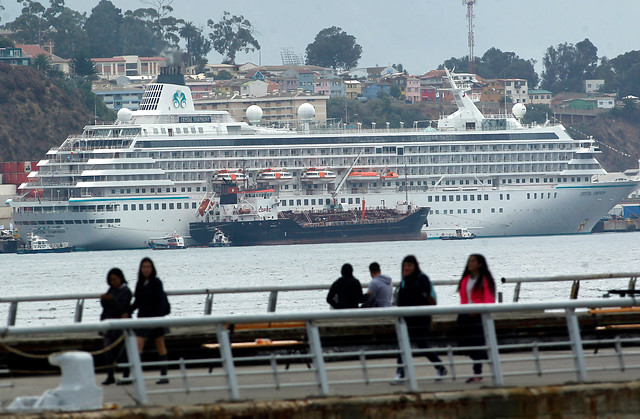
{"points": [[364, 175], [225, 175], [316, 175], [274, 176], [389, 175]]}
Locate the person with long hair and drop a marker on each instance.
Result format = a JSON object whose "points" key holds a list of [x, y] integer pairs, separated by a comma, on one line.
{"points": [[416, 290], [476, 286], [346, 291], [116, 304], [150, 302]]}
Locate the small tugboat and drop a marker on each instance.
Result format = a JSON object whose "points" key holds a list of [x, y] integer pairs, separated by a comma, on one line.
{"points": [[458, 234], [37, 244], [170, 241], [219, 240]]}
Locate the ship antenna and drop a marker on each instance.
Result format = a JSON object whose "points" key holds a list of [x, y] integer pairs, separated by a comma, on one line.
{"points": [[406, 182], [95, 109]]}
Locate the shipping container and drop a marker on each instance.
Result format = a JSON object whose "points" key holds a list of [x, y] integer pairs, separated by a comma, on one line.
{"points": [[13, 167], [6, 167], [20, 167]]}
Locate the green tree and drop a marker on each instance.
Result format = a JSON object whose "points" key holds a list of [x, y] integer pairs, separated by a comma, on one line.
{"points": [[395, 91], [138, 38], [160, 21], [6, 43], [224, 75], [621, 74], [31, 27], [67, 33], [82, 65], [198, 46], [496, 64], [567, 66], [103, 28], [231, 35], [334, 48], [41, 63]]}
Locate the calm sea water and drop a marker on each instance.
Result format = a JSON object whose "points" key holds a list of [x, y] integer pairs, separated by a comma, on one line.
{"points": [[198, 268]]}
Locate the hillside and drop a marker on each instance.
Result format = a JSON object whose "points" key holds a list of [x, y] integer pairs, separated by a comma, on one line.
{"points": [[37, 113]]}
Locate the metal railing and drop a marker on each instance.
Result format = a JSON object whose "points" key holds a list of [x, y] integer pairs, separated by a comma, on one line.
{"points": [[273, 292], [369, 368]]}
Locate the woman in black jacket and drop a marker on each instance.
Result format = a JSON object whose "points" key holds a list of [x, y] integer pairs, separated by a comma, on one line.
{"points": [[115, 305], [150, 302], [416, 290]]}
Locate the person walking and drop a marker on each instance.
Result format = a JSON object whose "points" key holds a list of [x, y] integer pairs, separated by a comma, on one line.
{"points": [[416, 290], [380, 289], [150, 301], [116, 304], [346, 291], [476, 286]]}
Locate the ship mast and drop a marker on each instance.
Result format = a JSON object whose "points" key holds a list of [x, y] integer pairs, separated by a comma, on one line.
{"points": [[470, 16]]}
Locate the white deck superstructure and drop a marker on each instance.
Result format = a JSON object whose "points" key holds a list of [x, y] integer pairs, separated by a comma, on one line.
{"points": [[117, 186]]}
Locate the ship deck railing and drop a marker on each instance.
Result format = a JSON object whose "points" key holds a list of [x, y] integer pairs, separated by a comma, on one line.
{"points": [[546, 359], [246, 299]]}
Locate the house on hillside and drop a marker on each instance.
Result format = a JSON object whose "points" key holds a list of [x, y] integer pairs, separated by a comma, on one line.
{"points": [[14, 56], [542, 97], [593, 86], [132, 66], [57, 63]]}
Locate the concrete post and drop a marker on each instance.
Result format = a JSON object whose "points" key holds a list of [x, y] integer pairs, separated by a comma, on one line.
{"points": [[227, 361], [576, 344], [315, 345], [404, 343], [139, 386], [491, 340]]}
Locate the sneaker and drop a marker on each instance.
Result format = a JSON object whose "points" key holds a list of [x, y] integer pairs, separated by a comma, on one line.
{"points": [[398, 380], [475, 379], [163, 381], [124, 382], [442, 371]]}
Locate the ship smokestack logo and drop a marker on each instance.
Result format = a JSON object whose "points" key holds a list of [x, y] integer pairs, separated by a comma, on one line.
{"points": [[179, 99]]}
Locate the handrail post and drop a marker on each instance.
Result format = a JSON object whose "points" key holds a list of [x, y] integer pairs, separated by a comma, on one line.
{"points": [[273, 299], [315, 345], [576, 344], [13, 313], [404, 344], [208, 303], [575, 288], [516, 292], [227, 361], [491, 340], [139, 386], [77, 318], [632, 282]]}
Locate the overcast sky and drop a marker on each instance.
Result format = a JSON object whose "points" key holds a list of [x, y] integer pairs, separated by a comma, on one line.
{"points": [[420, 34]]}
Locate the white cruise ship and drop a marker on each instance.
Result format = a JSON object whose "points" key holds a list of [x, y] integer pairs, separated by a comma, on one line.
{"points": [[117, 186]]}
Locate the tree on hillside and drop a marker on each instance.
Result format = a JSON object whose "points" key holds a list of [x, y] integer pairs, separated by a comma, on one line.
{"points": [[82, 65], [6, 43], [231, 35], [31, 27], [103, 29], [621, 74], [496, 64], [41, 63], [67, 29], [197, 45], [567, 65], [160, 20], [138, 38], [334, 48]]}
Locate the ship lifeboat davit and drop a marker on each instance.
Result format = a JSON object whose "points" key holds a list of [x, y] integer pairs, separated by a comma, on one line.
{"points": [[364, 175], [389, 175], [274, 176], [204, 205], [316, 175], [225, 175]]}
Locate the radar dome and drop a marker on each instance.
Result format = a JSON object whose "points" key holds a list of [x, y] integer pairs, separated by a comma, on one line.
{"points": [[124, 115], [306, 112], [254, 114], [519, 110]]}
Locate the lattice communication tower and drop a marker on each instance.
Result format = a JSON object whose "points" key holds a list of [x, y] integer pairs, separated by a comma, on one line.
{"points": [[290, 58], [470, 16]]}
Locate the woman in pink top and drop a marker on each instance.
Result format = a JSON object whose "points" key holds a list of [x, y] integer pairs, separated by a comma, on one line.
{"points": [[475, 287]]}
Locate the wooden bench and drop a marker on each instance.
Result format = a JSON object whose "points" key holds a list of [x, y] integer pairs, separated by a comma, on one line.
{"points": [[291, 345], [599, 329]]}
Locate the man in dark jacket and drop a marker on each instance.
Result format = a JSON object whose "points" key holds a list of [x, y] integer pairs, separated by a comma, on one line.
{"points": [[416, 290], [346, 291]]}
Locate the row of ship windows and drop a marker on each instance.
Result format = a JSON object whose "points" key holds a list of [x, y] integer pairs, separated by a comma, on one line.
{"points": [[463, 211], [471, 197], [60, 222], [327, 201], [159, 190], [157, 206], [110, 208]]}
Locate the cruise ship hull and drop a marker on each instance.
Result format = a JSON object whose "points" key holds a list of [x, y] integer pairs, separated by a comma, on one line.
{"points": [[568, 209]]}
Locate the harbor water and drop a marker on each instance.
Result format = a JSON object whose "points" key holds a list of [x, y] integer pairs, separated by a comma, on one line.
{"points": [[199, 268]]}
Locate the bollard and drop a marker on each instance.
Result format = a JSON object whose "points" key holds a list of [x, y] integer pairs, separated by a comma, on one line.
{"points": [[77, 318], [273, 299], [208, 304], [13, 312]]}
